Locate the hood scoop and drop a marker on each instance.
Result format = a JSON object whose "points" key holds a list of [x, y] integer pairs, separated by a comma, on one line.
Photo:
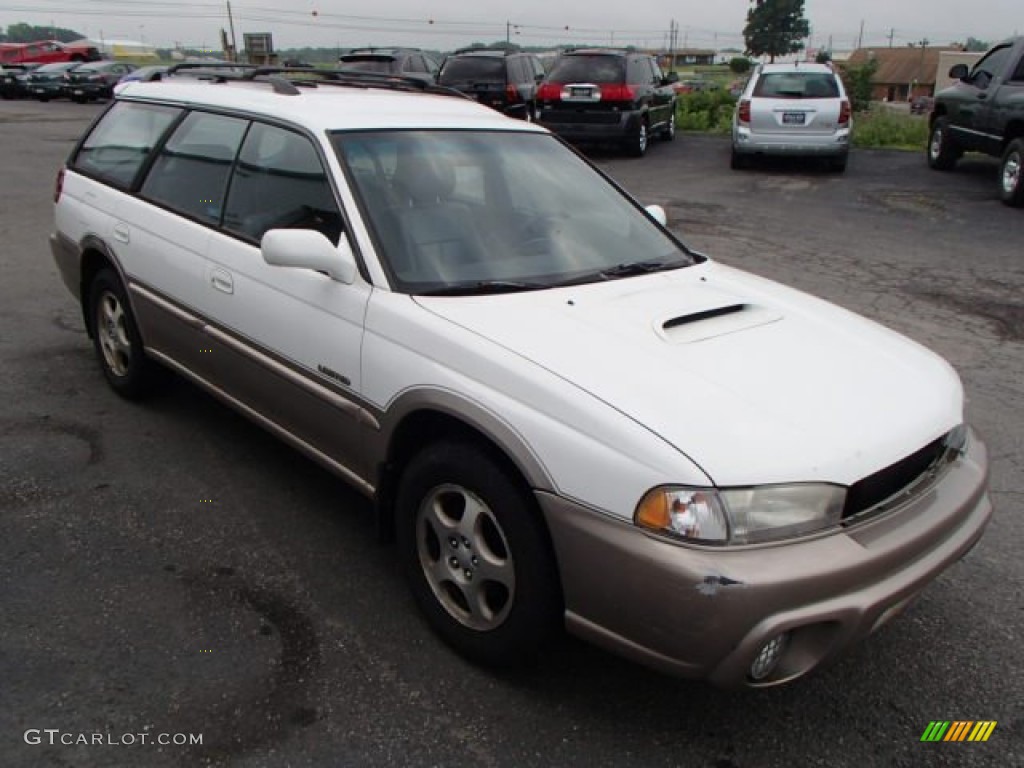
{"points": [[714, 321]]}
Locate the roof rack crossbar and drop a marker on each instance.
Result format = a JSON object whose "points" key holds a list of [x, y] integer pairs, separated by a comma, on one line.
{"points": [[207, 65]]}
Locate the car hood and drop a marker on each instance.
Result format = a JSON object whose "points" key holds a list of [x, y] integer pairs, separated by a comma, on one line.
{"points": [[754, 382]]}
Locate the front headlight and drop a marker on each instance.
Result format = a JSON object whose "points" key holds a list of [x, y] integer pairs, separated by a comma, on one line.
{"points": [[741, 515]]}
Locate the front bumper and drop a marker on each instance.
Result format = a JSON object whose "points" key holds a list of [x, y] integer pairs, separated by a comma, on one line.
{"points": [[747, 142], [85, 90], [705, 613]]}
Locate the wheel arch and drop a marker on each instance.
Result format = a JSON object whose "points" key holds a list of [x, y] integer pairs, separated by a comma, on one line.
{"points": [[96, 257], [426, 416], [1014, 130]]}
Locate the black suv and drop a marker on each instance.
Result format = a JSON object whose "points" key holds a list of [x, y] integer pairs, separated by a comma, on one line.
{"points": [[602, 95], [503, 80], [407, 62]]}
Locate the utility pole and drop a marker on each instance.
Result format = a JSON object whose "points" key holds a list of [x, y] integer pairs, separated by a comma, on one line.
{"points": [[860, 37], [892, 34], [234, 43]]}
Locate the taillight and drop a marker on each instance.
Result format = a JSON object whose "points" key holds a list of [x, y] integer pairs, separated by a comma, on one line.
{"points": [[59, 187], [744, 111], [617, 92], [549, 92], [511, 92], [844, 112]]}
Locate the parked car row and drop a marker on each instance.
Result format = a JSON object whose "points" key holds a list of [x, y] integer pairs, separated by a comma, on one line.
{"points": [[591, 95], [73, 80]]}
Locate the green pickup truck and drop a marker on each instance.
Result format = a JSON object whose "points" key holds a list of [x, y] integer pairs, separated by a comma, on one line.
{"points": [[984, 112]]}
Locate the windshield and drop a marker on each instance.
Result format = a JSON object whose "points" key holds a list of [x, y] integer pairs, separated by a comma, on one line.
{"points": [[582, 68], [473, 68], [480, 209], [384, 66], [797, 85]]}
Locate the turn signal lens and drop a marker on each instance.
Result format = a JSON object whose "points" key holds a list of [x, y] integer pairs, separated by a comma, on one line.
{"points": [[688, 513]]}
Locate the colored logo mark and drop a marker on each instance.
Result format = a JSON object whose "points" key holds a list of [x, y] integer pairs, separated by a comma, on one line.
{"points": [[958, 730]]}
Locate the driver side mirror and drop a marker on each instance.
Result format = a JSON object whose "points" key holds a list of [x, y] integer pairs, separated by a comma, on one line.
{"points": [[310, 249], [958, 72], [671, 77]]}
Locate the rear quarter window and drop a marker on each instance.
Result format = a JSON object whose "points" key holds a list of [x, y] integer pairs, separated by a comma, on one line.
{"points": [[119, 144]]}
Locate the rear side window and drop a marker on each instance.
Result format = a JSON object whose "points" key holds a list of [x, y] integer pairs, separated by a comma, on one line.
{"points": [[121, 141], [279, 183], [797, 85], [191, 172]]}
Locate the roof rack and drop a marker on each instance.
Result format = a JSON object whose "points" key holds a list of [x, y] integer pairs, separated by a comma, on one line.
{"points": [[609, 48], [286, 80], [211, 65], [485, 49]]}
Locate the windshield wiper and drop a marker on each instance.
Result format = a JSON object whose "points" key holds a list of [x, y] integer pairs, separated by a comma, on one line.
{"points": [[480, 287], [637, 268]]}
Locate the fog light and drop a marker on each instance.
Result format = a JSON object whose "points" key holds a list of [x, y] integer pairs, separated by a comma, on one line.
{"points": [[768, 657]]}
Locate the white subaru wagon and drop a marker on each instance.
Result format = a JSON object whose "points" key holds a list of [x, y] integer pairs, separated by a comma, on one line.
{"points": [[566, 417]]}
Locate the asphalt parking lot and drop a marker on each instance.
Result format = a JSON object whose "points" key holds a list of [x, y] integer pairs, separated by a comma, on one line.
{"points": [[167, 568]]}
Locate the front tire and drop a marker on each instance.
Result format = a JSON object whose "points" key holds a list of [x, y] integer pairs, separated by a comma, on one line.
{"points": [[942, 149], [476, 554], [1011, 174], [116, 338]]}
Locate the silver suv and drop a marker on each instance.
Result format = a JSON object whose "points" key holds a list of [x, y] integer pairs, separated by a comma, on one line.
{"points": [[794, 109]]}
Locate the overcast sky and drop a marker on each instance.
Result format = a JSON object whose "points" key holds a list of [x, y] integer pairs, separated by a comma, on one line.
{"points": [[444, 24]]}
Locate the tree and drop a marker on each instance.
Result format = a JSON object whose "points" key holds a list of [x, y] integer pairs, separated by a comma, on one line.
{"points": [[973, 44], [857, 79], [823, 56], [775, 27], [739, 65], [29, 33]]}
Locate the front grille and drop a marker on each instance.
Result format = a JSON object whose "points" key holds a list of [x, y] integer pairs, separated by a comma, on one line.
{"points": [[886, 483]]}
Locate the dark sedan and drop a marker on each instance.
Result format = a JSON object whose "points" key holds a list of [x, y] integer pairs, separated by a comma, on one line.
{"points": [[47, 82], [94, 80], [13, 78]]}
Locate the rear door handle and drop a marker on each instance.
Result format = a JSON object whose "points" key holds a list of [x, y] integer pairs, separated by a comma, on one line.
{"points": [[221, 280], [121, 233]]}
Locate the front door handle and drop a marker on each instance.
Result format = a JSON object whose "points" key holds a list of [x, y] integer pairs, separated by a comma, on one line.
{"points": [[121, 233], [221, 280]]}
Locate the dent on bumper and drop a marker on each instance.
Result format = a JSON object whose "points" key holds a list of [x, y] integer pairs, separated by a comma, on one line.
{"points": [[705, 613]]}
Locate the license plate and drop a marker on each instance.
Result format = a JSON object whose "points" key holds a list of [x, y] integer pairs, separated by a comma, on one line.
{"points": [[579, 93], [79, 92], [793, 118]]}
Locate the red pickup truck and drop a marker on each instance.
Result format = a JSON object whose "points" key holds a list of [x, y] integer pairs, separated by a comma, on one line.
{"points": [[46, 52]]}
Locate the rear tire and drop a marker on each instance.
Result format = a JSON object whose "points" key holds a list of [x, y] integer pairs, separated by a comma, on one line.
{"points": [[837, 164], [476, 554], [669, 133], [1011, 174], [116, 338], [738, 162], [942, 149], [636, 145]]}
